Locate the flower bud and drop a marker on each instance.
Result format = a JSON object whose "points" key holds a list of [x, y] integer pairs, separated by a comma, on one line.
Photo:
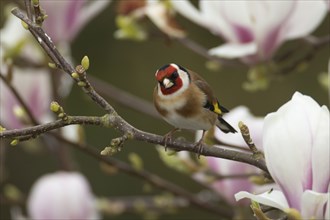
{"points": [[54, 107], [85, 62]]}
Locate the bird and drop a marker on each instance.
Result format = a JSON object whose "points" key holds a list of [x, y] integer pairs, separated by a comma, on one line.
{"points": [[186, 101]]}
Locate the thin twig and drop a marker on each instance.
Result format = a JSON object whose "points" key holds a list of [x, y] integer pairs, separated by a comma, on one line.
{"points": [[41, 129], [317, 42]]}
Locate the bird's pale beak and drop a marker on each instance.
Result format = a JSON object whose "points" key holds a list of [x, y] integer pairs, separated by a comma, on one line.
{"points": [[167, 83]]}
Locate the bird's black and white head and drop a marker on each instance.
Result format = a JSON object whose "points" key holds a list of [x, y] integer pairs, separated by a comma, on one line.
{"points": [[172, 80]]}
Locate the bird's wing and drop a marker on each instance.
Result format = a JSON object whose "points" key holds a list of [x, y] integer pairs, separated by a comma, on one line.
{"points": [[212, 102]]}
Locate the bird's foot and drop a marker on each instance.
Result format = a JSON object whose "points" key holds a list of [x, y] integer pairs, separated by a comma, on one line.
{"points": [[199, 148], [168, 137]]}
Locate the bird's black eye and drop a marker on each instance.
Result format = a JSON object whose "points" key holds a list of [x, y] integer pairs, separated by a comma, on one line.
{"points": [[174, 75]]}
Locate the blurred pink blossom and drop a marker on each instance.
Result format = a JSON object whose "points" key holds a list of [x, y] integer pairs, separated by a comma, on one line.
{"points": [[296, 146], [255, 124], [229, 186], [62, 195], [254, 30], [33, 86], [66, 18], [327, 2]]}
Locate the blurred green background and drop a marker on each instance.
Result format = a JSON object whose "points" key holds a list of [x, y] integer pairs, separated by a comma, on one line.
{"points": [[131, 66]]}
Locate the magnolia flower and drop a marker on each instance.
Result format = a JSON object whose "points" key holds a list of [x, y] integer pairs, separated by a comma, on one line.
{"points": [[66, 18], [296, 146], [254, 29], [62, 195]]}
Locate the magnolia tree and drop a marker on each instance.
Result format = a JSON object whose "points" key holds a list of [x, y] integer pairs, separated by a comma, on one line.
{"points": [[275, 167]]}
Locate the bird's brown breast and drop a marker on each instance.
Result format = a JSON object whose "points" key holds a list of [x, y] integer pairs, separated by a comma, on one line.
{"points": [[194, 101]]}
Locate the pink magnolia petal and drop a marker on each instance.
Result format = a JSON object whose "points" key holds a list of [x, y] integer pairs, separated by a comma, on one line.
{"points": [[273, 199], [67, 18], [228, 187], [232, 51], [237, 21], [61, 23], [327, 3], [34, 87], [314, 205]]}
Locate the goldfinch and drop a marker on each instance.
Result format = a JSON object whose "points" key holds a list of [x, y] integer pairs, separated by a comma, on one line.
{"points": [[185, 100]]}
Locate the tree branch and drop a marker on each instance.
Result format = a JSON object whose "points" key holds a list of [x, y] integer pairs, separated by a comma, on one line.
{"points": [[113, 119]]}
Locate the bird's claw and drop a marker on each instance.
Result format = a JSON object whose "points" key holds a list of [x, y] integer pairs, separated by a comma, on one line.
{"points": [[168, 137], [199, 148]]}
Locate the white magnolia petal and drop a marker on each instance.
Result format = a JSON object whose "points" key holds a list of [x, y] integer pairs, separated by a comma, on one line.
{"points": [[189, 11], [12, 33], [232, 51], [287, 135], [236, 12], [314, 204], [72, 133], [61, 24], [318, 119], [305, 18], [321, 152], [215, 19], [274, 199]]}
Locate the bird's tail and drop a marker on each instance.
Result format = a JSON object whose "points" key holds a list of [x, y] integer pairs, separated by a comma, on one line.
{"points": [[225, 126]]}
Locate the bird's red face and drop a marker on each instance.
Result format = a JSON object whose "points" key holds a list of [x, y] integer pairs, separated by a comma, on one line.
{"points": [[169, 79]]}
